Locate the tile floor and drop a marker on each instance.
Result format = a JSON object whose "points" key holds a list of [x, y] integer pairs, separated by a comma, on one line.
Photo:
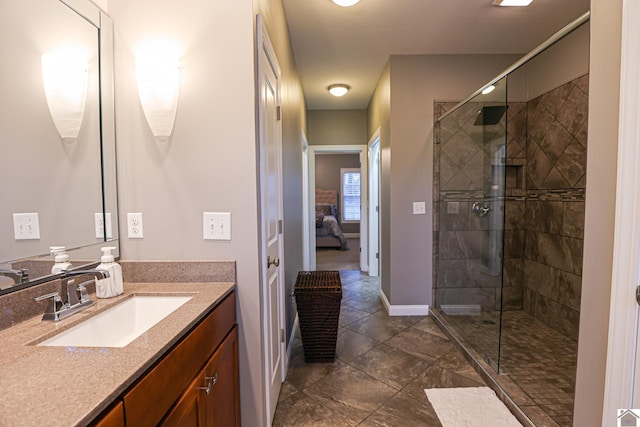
{"points": [[383, 366], [537, 361]]}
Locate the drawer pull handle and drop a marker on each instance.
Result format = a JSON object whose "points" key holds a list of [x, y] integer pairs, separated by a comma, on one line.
{"points": [[212, 381], [207, 389]]}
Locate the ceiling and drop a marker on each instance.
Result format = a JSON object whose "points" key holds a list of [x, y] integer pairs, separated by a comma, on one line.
{"points": [[351, 45]]}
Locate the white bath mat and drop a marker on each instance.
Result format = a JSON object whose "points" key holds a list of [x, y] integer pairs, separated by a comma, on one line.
{"points": [[470, 407]]}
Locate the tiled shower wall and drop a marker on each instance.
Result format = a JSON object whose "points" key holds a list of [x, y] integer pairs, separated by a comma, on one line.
{"points": [[556, 166], [464, 274], [544, 207]]}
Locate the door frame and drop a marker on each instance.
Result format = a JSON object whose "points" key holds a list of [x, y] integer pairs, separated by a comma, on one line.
{"points": [[264, 44], [307, 222], [622, 362], [374, 227], [338, 149]]}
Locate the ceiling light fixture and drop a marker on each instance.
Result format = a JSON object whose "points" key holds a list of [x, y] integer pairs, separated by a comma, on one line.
{"points": [[338, 89], [487, 90], [345, 3], [520, 3]]}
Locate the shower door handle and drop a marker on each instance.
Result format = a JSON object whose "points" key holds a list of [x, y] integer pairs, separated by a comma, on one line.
{"points": [[638, 294], [480, 209]]}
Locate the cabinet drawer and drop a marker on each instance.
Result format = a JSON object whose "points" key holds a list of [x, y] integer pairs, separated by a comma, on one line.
{"points": [[150, 399]]}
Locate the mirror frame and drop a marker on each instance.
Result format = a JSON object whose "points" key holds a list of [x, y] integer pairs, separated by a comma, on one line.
{"points": [[104, 25]]}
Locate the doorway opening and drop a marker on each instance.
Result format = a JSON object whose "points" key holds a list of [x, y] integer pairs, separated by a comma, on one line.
{"points": [[337, 208]]}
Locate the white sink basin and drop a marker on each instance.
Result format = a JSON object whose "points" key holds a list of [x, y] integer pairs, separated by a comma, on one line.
{"points": [[119, 325]]}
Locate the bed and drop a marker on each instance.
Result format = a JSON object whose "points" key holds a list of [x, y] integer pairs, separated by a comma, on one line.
{"points": [[328, 231]]}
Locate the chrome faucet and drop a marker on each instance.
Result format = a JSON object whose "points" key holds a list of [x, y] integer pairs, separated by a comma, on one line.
{"points": [[18, 276], [74, 299]]}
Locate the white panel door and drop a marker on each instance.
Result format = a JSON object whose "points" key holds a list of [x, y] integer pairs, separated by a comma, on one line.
{"points": [[271, 219]]}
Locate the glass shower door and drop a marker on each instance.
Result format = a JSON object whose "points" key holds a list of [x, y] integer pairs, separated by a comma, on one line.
{"points": [[470, 204]]}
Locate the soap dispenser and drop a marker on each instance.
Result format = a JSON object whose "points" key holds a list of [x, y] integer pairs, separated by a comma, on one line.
{"points": [[111, 286], [61, 259]]}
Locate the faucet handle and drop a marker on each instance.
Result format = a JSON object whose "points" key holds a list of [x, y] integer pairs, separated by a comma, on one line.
{"points": [[54, 307], [84, 295]]}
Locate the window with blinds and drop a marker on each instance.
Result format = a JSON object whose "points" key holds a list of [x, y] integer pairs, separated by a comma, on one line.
{"points": [[350, 194]]}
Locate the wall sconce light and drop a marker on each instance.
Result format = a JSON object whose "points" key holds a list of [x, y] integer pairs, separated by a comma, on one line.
{"points": [[158, 77], [65, 77], [338, 89]]}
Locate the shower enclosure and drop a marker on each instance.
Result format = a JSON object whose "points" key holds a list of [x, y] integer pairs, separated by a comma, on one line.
{"points": [[509, 186]]}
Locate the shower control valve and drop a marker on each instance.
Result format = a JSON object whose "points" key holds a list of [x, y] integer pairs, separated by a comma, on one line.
{"points": [[480, 209]]}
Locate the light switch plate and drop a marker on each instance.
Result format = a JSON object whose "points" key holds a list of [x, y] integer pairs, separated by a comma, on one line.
{"points": [[100, 226], [134, 225], [216, 225], [26, 226], [419, 208]]}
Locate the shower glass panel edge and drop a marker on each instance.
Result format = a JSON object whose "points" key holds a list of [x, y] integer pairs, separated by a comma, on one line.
{"points": [[470, 190]]}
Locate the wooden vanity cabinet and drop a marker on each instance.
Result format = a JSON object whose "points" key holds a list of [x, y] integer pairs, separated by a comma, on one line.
{"points": [[212, 399], [172, 392]]}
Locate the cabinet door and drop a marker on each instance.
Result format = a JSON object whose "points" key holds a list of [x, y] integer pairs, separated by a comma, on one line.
{"points": [[113, 418], [222, 401], [189, 411]]}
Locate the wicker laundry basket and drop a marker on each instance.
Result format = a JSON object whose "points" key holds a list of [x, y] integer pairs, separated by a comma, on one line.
{"points": [[318, 295]]}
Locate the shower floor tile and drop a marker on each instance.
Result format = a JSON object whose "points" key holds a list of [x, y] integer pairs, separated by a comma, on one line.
{"points": [[538, 359]]}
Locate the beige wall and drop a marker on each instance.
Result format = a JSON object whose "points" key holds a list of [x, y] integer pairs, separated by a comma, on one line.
{"points": [[209, 163], [604, 89], [337, 127], [416, 81]]}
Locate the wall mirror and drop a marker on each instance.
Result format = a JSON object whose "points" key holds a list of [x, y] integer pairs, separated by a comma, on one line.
{"points": [[57, 137]]}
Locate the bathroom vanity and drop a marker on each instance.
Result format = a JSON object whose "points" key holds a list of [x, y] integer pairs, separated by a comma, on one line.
{"points": [[182, 371]]}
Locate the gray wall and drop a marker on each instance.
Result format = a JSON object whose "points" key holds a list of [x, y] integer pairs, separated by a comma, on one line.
{"points": [[337, 127], [403, 109], [209, 163], [328, 177]]}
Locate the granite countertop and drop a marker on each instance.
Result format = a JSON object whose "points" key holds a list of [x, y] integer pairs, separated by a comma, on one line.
{"points": [[70, 386]]}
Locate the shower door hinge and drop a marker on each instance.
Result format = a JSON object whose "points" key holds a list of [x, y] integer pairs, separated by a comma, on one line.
{"points": [[281, 335], [278, 112]]}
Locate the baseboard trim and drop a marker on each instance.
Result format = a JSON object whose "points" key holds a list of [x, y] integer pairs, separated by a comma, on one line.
{"points": [[403, 310], [352, 235]]}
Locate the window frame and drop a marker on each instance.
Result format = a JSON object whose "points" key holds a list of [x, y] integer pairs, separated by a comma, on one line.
{"points": [[343, 172]]}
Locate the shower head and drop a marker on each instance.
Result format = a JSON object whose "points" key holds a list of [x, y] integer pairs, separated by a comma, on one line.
{"points": [[490, 115]]}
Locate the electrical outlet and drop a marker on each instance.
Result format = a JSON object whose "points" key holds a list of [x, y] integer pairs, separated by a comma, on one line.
{"points": [[26, 226], [134, 225], [216, 225], [100, 226], [419, 208]]}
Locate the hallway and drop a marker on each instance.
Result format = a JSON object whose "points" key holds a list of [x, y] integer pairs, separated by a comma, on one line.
{"points": [[382, 367]]}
